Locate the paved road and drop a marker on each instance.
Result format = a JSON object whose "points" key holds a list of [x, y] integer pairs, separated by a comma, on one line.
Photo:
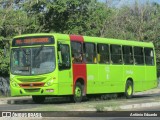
{"points": [[30, 105], [27, 103]]}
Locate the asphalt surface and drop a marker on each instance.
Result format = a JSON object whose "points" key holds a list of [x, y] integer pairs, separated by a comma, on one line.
{"points": [[143, 101], [140, 100]]}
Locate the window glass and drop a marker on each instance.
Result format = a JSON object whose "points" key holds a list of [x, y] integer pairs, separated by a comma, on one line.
{"points": [[103, 53], [127, 54], [65, 56], [90, 53], [149, 56], [116, 57], [33, 61], [76, 48], [138, 55]]}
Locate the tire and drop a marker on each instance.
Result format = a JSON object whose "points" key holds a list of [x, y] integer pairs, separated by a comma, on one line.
{"points": [[129, 89], [78, 91], [38, 99]]}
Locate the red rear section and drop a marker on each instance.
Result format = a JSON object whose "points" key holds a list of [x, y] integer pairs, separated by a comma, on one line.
{"points": [[79, 70]]}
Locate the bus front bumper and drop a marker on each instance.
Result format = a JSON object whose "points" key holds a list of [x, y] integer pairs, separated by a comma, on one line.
{"points": [[19, 91]]}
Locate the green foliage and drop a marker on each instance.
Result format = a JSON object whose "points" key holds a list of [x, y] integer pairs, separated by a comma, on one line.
{"points": [[86, 17], [4, 63]]}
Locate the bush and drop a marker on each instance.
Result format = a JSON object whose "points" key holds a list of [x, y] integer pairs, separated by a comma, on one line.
{"points": [[4, 63]]}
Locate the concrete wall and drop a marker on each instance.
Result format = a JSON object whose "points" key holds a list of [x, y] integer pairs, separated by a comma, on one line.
{"points": [[4, 87]]}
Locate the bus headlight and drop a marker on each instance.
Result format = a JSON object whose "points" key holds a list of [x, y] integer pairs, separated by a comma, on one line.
{"points": [[49, 83], [14, 84]]}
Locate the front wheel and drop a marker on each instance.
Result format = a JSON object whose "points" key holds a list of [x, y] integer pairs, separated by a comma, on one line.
{"points": [[38, 99], [78, 91], [129, 89]]}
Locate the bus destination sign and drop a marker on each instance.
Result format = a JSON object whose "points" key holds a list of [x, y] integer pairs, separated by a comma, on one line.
{"points": [[32, 41]]}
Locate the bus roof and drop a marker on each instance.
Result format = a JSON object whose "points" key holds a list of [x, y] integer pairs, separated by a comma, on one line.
{"points": [[93, 39], [118, 41]]}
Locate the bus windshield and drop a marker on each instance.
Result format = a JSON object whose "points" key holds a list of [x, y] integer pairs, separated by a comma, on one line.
{"points": [[32, 61]]}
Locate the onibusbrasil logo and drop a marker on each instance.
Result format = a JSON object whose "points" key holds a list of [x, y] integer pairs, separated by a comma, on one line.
{"points": [[21, 114]]}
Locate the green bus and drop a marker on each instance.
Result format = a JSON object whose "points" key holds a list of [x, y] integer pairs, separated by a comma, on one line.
{"points": [[49, 64]]}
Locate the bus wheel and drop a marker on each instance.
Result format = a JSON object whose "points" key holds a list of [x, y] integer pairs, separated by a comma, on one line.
{"points": [[78, 91], [129, 89], [38, 99]]}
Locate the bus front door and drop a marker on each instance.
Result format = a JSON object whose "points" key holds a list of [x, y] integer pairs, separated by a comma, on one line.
{"points": [[64, 66]]}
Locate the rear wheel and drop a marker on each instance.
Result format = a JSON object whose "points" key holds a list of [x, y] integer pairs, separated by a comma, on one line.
{"points": [[129, 89], [38, 99], [78, 92]]}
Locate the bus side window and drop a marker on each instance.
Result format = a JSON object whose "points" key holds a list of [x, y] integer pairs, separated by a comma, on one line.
{"points": [[116, 54], [64, 56], [127, 54], [149, 56], [138, 56], [90, 55], [103, 53], [76, 48]]}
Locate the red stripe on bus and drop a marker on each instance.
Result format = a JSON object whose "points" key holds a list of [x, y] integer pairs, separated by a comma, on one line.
{"points": [[76, 38], [79, 70]]}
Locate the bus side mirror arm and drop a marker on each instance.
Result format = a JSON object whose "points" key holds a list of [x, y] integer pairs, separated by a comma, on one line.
{"points": [[60, 57], [59, 54]]}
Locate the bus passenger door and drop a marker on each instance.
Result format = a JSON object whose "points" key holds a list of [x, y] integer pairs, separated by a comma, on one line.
{"points": [[64, 66]]}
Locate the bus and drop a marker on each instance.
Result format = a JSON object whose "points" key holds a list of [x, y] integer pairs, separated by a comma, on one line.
{"points": [[52, 64]]}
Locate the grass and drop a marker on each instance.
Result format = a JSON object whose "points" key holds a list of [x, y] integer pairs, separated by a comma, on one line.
{"points": [[99, 108], [110, 105]]}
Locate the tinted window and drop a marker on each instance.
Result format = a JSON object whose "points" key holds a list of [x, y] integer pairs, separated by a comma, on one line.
{"points": [[149, 56], [127, 55], [103, 53], [90, 53], [76, 48], [33, 61], [138, 55], [116, 57], [65, 56]]}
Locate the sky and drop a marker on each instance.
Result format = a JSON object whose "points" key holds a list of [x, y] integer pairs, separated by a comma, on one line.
{"points": [[119, 3]]}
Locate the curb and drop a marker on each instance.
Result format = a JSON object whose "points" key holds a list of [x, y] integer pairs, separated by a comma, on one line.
{"points": [[132, 106], [142, 105], [17, 100], [20, 101], [121, 107]]}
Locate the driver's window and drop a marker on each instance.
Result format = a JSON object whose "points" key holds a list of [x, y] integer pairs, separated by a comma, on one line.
{"points": [[64, 56]]}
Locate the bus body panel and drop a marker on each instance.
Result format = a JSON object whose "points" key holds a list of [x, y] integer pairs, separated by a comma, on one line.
{"points": [[79, 70], [150, 80], [79, 73], [25, 85], [92, 79], [65, 77], [138, 79], [117, 78], [104, 78]]}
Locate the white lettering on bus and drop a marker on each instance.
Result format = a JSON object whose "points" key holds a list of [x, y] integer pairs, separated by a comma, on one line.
{"points": [[129, 72], [107, 69], [107, 76], [90, 77]]}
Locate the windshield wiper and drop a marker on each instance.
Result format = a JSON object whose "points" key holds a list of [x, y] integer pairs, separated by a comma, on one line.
{"points": [[39, 50], [24, 51], [26, 55]]}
